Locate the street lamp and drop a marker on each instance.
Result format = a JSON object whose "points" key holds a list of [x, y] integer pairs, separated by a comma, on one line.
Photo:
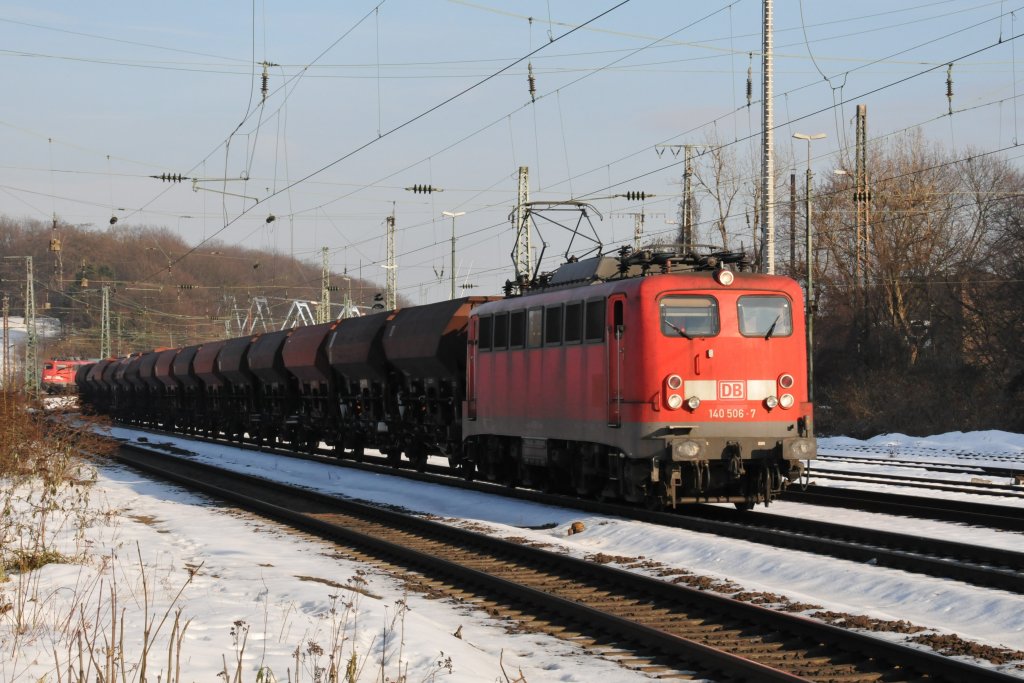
{"points": [[453, 215], [809, 301]]}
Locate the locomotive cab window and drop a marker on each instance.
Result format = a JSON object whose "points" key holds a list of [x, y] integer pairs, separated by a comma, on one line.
{"points": [[689, 316], [765, 316]]}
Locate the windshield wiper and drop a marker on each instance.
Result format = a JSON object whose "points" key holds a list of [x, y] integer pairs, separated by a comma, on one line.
{"points": [[681, 331], [771, 329]]}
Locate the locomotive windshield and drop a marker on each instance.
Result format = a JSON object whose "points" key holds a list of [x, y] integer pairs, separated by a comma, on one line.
{"points": [[765, 316], [689, 316]]}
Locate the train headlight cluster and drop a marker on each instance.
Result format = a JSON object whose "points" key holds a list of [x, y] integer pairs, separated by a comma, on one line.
{"points": [[724, 277], [675, 401], [786, 381], [674, 382], [786, 401], [771, 402], [693, 403]]}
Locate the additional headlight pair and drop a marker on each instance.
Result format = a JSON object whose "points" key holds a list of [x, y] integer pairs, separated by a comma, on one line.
{"points": [[675, 402], [786, 401]]}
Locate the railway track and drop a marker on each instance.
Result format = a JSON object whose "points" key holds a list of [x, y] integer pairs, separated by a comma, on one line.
{"points": [[978, 565], [1013, 464], [944, 509], [666, 629], [981, 488]]}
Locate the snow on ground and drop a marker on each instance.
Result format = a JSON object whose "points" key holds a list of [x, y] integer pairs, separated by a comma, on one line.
{"points": [[954, 448], [278, 586], [253, 571]]}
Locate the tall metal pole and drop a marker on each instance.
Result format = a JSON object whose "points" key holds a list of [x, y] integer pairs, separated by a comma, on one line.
{"points": [[105, 324], [5, 374], [810, 280], [451, 275], [323, 314], [809, 301], [524, 251], [792, 224], [862, 196], [391, 288], [688, 199], [32, 369], [767, 164]]}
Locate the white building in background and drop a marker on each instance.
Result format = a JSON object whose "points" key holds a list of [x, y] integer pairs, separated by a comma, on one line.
{"points": [[46, 329]]}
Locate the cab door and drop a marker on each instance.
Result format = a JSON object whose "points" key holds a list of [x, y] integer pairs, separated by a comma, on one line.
{"points": [[616, 348]]}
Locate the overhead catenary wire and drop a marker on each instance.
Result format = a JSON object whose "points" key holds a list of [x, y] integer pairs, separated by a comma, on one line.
{"points": [[607, 166]]}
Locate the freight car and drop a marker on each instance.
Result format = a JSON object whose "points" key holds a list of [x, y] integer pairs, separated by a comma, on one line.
{"points": [[651, 377]]}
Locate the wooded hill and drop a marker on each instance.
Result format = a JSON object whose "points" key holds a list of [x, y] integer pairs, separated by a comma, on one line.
{"points": [[156, 297]]}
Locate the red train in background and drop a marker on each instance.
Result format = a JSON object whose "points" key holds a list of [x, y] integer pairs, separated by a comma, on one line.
{"points": [[58, 376], [652, 377]]}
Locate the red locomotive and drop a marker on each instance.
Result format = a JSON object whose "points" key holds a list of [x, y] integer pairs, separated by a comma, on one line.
{"points": [[59, 375], [651, 377], [665, 389]]}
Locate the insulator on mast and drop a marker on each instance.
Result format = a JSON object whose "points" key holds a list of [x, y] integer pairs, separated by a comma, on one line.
{"points": [[949, 87], [750, 79]]}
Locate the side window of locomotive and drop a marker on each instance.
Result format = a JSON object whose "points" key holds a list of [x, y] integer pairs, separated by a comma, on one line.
{"points": [[484, 333], [553, 326], [689, 316], [593, 326], [516, 329], [535, 327], [500, 331], [765, 316], [573, 323]]}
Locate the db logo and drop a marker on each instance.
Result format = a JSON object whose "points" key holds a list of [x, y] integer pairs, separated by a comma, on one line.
{"points": [[731, 390]]}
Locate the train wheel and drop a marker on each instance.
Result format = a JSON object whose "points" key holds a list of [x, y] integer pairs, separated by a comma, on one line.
{"points": [[394, 457], [745, 505]]}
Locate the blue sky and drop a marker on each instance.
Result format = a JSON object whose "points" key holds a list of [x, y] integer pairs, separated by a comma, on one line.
{"points": [[99, 96]]}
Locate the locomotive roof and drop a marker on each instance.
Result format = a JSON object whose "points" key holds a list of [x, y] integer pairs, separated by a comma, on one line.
{"points": [[628, 264]]}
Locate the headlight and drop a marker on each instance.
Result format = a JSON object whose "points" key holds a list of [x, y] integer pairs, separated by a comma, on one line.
{"points": [[786, 381], [693, 403], [724, 277], [786, 400], [674, 382], [686, 449], [771, 402], [675, 401]]}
